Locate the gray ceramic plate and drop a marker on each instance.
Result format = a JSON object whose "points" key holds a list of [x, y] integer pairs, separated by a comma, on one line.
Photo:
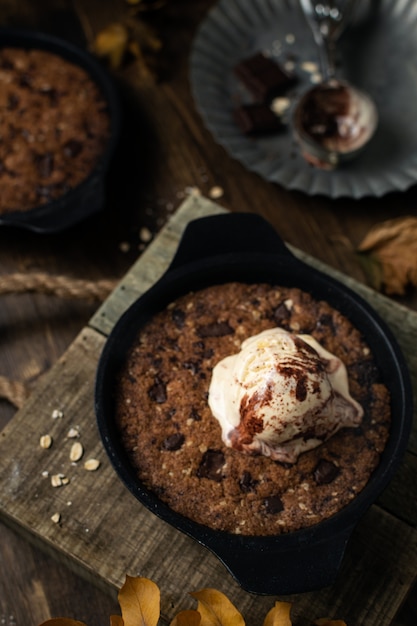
{"points": [[378, 53]]}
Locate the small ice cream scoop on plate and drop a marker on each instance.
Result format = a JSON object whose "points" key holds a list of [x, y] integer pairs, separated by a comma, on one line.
{"points": [[334, 120]]}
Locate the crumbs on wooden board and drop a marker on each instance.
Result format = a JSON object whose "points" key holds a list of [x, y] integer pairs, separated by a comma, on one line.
{"points": [[76, 452]]}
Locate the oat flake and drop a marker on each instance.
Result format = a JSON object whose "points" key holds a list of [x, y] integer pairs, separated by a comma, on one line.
{"points": [[91, 465], [216, 192], [76, 451], [45, 441]]}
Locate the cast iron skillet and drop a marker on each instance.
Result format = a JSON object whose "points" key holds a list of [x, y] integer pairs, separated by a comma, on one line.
{"points": [[88, 197], [245, 248]]}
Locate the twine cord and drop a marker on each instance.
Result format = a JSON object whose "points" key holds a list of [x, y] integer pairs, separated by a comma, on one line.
{"points": [[17, 392], [14, 391], [61, 286]]}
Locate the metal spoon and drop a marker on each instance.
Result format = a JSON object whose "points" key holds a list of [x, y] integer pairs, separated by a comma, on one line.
{"points": [[334, 120]]}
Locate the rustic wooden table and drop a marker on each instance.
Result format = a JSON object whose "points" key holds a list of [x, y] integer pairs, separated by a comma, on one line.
{"points": [[164, 152]]}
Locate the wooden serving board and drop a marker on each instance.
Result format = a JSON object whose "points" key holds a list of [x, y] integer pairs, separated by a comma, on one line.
{"points": [[105, 533]]}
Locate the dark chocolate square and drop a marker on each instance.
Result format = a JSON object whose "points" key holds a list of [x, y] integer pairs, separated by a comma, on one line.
{"points": [[257, 119], [263, 77]]}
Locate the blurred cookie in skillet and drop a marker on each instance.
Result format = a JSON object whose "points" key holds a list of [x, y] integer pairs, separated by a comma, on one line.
{"points": [[54, 126]]}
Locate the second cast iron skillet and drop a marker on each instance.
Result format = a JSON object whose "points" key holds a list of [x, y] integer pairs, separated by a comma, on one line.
{"points": [[88, 197], [243, 247]]}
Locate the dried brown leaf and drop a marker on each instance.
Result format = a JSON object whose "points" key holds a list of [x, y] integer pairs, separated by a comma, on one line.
{"points": [[329, 622], [144, 34], [139, 599], [279, 615], [116, 620], [392, 246], [216, 609], [187, 618], [146, 75]]}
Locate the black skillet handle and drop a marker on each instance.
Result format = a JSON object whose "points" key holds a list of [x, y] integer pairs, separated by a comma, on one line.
{"points": [[227, 233], [301, 566]]}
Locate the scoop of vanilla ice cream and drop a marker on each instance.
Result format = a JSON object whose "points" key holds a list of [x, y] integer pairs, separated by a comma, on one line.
{"points": [[281, 395]]}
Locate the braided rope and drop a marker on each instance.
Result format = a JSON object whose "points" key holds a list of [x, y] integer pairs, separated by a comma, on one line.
{"points": [[61, 286], [17, 392]]}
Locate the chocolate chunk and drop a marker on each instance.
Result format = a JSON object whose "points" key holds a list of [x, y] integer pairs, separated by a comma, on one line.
{"points": [[156, 361], [200, 348], [53, 96], [263, 77], [6, 64], [325, 472], [13, 102], [25, 80], [173, 442], [273, 505], [326, 321], [170, 414], [365, 372], [193, 366], [158, 392], [44, 164], [72, 148], [257, 119], [211, 465], [281, 314], [247, 483], [217, 329], [195, 415], [178, 317]]}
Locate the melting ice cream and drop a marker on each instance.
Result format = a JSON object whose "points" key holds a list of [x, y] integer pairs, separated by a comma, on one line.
{"points": [[281, 395]]}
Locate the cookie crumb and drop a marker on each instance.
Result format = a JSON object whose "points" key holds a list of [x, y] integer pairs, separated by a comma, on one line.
{"points": [[216, 192]]}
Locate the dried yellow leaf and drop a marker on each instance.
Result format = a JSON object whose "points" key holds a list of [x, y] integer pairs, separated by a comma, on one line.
{"points": [[111, 43], [279, 615], [391, 247], [144, 35], [139, 599], [187, 618], [216, 609]]}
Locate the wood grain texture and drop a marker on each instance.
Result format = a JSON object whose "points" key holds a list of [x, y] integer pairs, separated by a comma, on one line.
{"points": [[93, 534]]}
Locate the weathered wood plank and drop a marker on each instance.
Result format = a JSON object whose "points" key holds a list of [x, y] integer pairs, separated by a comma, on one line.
{"points": [[380, 563], [94, 507]]}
